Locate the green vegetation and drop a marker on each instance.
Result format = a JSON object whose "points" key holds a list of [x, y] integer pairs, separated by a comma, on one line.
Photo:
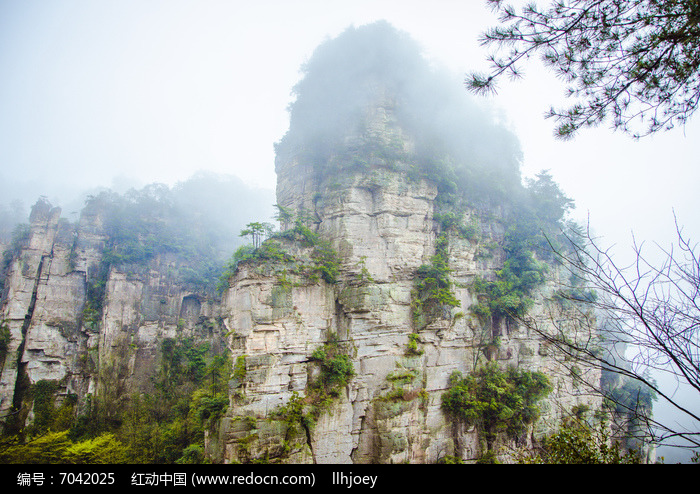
{"points": [[181, 360], [434, 285], [629, 395], [298, 416], [365, 277], [509, 294], [575, 292], [57, 447], [413, 342], [166, 425], [257, 231], [406, 385], [43, 393], [323, 261], [533, 231], [495, 402], [433, 296], [579, 442], [95, 293], [5, 339], [326, 262], [141, 225], [336, 368], [632, 62], [454, 222], [239, 368], [269, 251]]}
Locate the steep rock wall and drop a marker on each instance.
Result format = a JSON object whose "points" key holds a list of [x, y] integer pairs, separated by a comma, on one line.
{"points": [[379, 216], [108, 354], [380, 220]]}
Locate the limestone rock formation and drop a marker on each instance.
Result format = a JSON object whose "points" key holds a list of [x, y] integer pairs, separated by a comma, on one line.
{"points": [[381, 222], [343, 329], [58, 335]]}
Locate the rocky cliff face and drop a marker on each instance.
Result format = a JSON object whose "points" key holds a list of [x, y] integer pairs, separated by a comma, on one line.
{"points": [[333, 357], [380, 221], [44, 333], [56, 333], [333, 360], [343, 330]]}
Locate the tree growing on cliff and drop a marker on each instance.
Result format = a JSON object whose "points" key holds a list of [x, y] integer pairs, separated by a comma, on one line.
{"points": [[636, 61], [257, 232], [495, 401], [579, 443]]}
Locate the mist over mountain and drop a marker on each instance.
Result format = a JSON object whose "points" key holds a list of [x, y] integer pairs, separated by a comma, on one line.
{"points": [[218, 205], [355, 70]]}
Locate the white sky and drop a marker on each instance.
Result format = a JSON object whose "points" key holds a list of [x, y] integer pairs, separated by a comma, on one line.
{"points": [[154, 90]]}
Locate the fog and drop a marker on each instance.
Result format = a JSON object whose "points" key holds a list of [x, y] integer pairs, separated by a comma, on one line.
{"points": [[123, 93], [377, 64]]}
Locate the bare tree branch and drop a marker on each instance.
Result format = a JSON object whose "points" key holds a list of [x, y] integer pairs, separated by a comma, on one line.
{"points": [[646, 317]]}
